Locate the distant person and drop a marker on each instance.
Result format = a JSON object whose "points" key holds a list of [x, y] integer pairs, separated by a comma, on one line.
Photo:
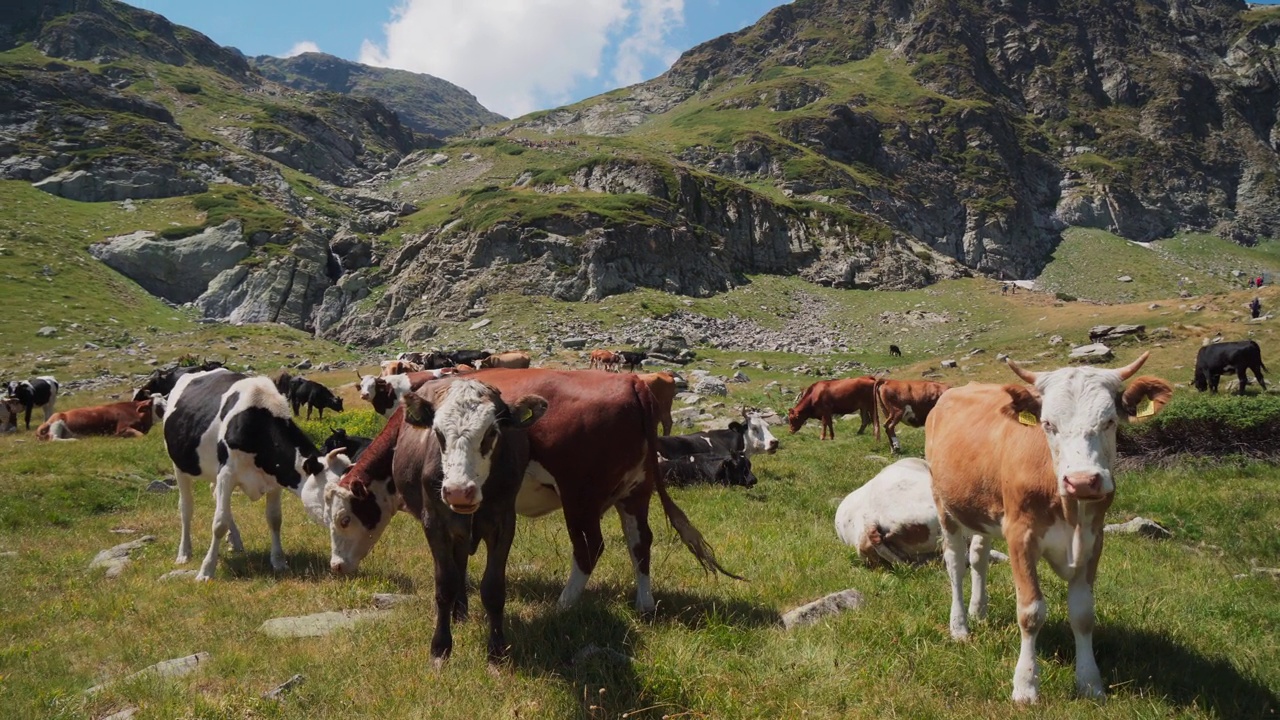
{"points": [[1259, 281], [1255, 307]]}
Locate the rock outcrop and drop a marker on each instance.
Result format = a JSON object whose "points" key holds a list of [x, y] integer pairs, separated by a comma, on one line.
{"points": [[176, 270]]}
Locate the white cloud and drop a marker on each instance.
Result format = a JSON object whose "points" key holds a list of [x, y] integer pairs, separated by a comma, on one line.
{"points": [[304, 46], [522, 55]]}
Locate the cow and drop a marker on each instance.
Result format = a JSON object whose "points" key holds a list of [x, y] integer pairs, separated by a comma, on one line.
{"points": [[131, 418], [384, 393], [731, 470], [467, 357], [284, 383], [631, 359], [906, 401], [313, 395], [42, 392], [417, 358], [751, 437], [827, 398], [663, 387], [594, 448], [235, 431], [892, 520], [514, 359], [161, 381], [1034, 465], [895, 351], [399, 367], [605, 360], [353, 446], [1213, 361]]}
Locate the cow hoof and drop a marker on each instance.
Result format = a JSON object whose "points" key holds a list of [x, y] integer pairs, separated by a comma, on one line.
{"points": [[204, 578], [1091, 691], [279, 566], [437, 663], [1025, 697], [182, 560]]}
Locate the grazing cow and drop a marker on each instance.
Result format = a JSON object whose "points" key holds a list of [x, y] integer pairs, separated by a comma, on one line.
{"points": [[132, 418], [892, 519], [631, 359], [514, 359], [313, 395], [906, 401], [593, 449], [399, 367], [827, 398], [161, 382], [353, 446], [663, 387], [1033, 465], [284, 383], [41, 392], [895, 351], [1213, 361], [605, 360], [235, 432]]}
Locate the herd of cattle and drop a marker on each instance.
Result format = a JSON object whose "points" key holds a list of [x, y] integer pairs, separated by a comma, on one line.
{"points": [[472, 440]]}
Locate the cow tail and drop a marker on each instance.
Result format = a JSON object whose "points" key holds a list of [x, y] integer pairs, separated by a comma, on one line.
{"points": [[875, 407], [689, 535]]}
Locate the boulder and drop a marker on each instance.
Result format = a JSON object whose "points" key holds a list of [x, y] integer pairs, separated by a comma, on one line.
{"points": [[177, 270], [710, 385], [949, 363], [832, 604], [1097, 352], [320, 623], [1139, 526], [176, 667], [116, 558], [113, 183]]}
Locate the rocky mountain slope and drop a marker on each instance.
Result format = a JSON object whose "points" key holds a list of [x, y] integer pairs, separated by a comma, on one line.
{"points": [[426, 104], [852, 143]]}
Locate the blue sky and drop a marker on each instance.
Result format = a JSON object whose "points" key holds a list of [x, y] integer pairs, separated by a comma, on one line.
{"points": [[516, 56]]}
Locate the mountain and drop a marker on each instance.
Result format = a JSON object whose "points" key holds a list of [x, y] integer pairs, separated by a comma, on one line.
{"points": [[425, 103]]}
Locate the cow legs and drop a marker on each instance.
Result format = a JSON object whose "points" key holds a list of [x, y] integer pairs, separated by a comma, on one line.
{"points": [[890, 422], [493, 586], [634, 514], [1080, 608], [666, 422], [588, 546], [186, 505], [308, 412], [1031, 614], [222, 522], [866, 420], [1244, 379], [827, 426], [233, 532], [295, 405], [274, 519], [449, 554], [1257, 373], [954, 555], [979, 561]]}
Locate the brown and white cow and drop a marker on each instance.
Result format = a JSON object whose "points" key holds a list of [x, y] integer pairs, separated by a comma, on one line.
{"points": [[399, 367], [132, 418], [827, 398], [605, 360], [592, 450], [663, 386], [1033, 465], [513, 359], [906, 401], [385, 391]]}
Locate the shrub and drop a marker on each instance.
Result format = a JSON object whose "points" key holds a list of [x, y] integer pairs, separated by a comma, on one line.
{"points": [[1065, 297], [1207, 425], [187, 88], [181, 231]]}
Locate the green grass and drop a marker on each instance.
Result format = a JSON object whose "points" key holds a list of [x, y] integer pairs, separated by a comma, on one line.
{"points": [[1177, 636]]}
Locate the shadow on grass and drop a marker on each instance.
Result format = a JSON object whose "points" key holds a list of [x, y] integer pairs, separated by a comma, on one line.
{"points": [[306, 565], [1142, 663]]}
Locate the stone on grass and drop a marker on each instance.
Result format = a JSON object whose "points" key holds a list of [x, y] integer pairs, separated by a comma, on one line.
{"points": [[124, 714], [158, 486], [483, 323], [1096, 351], [115, 559], [176, 667], [47, 331], [574, 342], [383, 601], [739, 377], [320, 623], [711, 385], [278, 691], [1140, 526], [832, 604], [949, 363], [176, 574]]}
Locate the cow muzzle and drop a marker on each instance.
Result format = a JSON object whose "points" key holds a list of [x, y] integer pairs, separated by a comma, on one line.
{"points": [[463, 499], [1084, 485], [772, 448]]}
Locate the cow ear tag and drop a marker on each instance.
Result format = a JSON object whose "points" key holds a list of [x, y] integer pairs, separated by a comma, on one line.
{"points": [[1026, 417], [1146, 408], [525, 414]]}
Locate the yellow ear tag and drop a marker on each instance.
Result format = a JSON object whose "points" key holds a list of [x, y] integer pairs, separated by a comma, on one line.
{"points": [[525, 414], [1146, 408], [1027, 418]]}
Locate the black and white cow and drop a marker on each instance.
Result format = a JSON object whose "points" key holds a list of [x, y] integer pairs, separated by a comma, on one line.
{"points": [[468, 357], [716, 455], [313, 395], [235, 431], [352, 446], [732, 469], [41, 392], [1213, 361], [161, 381]]}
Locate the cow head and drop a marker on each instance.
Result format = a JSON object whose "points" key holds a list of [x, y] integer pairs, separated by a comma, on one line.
{"points": [[358, 511], [322, 472], [1079, 409], [468, 418], [795, 419], [366, 384], [758, 438]]}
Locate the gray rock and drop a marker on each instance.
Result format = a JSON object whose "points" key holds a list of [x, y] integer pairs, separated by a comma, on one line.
{"points": [[949, 363], [112, 183], [47, 331], [739, 377], [574, 342], [1001, 357], [1139, 526], [158, 486], [177, 270], [177, 574], [483, 323], [305, 364], [1124, 278], [1056, 340], [832, 604], [385, 601], [125, 714], [437, 159], [166, 669], [319, 624], [115, 559], [711, 385], [278, 691], [1091, 353]]}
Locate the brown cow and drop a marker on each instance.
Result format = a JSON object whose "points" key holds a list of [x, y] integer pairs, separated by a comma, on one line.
{"points": [[514, 359], [1033, 465], [399, 367], [906, 401], [827, 398], [605, 360], [595, 448], [663, 386], [132, 418]]}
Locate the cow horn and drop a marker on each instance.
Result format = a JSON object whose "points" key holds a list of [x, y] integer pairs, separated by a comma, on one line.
{"points": [[1127, 371], [1017, 369]]}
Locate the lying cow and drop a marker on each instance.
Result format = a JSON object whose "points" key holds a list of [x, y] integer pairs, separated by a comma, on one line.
{"points": [[1214, 361], [399, 367], [131, 418], [906, 401], [353, 446], [313, 395], [235, 431], [470, 358], [514, 359], [41, 392], [595, 448], [708, 468], [826, 399], [1034, 465], [161, 381]]}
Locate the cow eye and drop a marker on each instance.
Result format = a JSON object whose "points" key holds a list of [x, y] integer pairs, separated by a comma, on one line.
{"points": [[1049, 427], [344, 521], [440, 439]]}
